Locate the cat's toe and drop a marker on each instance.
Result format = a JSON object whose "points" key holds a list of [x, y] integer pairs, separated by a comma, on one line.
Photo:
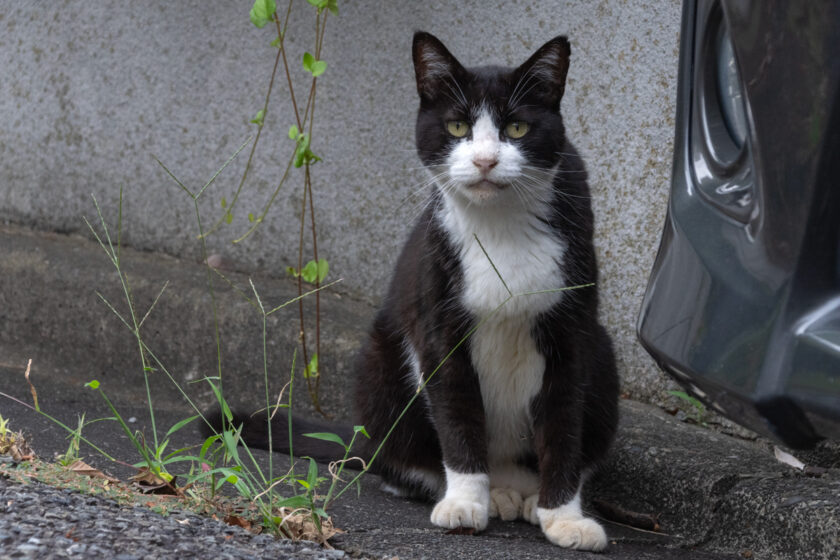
{"points": [[529, 509], [505, 503], [580, 533], [451, 513]]}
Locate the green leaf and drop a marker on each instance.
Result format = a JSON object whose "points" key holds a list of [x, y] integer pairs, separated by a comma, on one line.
{"points": [[312, 475], [206, 446], [304, 483], [689, 399], [228, 218], [159, 451], [294, 132], [315, 67], [262, 12], [224, 203], [92, 384], [323, 269], [276, 42], [310, 272], [292, 271], [331, 5], [308, 60], [326, 436], [233, 479], [319, 67], [179, 425], [361, 430], [302, 149], [293, 502], [251, 217], [312, 368], [259, 118]]}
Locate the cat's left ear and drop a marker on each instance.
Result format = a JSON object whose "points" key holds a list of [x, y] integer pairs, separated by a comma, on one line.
{"points": [[549, 65]]}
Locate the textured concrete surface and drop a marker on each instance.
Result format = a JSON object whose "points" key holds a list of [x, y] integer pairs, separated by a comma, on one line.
{"points": [[91, 91], [50, 312]]}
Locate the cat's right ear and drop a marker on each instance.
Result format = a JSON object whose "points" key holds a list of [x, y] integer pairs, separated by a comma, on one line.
{"points": [[433, 65]]}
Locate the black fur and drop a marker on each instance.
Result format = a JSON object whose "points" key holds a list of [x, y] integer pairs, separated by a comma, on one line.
{"points": [[575, 412]]}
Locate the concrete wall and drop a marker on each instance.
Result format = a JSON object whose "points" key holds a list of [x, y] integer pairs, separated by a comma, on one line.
{"points": [[90, 91]]}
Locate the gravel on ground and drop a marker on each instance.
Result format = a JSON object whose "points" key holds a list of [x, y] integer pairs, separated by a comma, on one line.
{"points": [[43, 522]]}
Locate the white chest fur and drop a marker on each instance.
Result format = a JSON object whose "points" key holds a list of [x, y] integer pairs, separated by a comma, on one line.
{"points": [[528, 256]]}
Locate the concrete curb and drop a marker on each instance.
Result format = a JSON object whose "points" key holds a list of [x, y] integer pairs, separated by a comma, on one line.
{"points": [[712, 491]]}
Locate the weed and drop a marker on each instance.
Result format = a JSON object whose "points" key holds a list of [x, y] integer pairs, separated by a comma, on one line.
{"points": [[72, 454], [697, 407]]}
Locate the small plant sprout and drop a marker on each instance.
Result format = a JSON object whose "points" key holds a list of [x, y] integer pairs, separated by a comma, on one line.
{"points": [[72, 454], [698, 408]]}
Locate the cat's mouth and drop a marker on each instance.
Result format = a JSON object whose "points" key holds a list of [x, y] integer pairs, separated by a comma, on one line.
{"points": [[485, 189]]}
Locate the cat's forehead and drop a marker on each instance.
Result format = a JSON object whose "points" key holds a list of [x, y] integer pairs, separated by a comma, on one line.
{"points": [[490, 81], [486, 89]]}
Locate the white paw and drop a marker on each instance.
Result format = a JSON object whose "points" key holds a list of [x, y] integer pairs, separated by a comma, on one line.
{"points": [[529, 509], [576, 532], [453, 512], [505, 503]]}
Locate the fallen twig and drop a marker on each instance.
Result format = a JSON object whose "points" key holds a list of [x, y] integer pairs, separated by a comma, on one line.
{"points": [[614, 512]]}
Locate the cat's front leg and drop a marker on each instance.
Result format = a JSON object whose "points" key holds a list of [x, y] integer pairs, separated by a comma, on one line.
{"points": [[466, 503], [558, 432], [454, 397]]}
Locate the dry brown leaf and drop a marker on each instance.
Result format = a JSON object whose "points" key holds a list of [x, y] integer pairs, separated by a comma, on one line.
{"points": [[20, 451], [31, 386], [298, 524], [15, 446], [238, 522], [618, 514], [150, 483], [82, 468]]}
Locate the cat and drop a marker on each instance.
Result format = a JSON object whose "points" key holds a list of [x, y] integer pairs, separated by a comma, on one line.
{"points": [[514, 419]]}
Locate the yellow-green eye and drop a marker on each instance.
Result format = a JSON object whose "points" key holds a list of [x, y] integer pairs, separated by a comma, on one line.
{"points": [[458, 129], [516, 129]]}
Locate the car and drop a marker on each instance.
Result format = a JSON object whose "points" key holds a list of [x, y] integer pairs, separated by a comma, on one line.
{"points": [[742, 306]]}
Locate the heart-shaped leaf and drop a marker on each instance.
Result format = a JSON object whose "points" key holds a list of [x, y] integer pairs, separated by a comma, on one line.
{"points": [[262, 12], [314, 67]]}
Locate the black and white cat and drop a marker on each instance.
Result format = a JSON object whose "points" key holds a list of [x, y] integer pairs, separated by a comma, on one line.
{"points": [[517, 416]]}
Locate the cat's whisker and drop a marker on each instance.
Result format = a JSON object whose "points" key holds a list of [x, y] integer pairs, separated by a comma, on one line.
{"points": [[460, 93], [514, 97], [428, 187]]}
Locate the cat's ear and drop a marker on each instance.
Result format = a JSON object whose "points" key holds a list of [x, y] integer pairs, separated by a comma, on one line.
{"points": [[433, 65], [549, 65]]}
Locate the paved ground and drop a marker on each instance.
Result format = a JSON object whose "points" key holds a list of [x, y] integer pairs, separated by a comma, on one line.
{"points": [[378, 525], [717, 496]]}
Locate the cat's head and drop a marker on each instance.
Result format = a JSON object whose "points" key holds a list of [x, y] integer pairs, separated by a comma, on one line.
{"points": [[490, 133]]}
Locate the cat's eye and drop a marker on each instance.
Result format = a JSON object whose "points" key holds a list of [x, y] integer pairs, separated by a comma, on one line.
{"points": [[458, 129], [516, 129]]}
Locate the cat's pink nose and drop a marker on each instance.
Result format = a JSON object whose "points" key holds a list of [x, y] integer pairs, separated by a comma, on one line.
{"points": [[485, 164]]}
